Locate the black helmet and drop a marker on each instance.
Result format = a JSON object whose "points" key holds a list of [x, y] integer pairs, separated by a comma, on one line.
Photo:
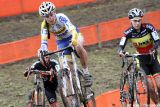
{"points": [[42, 58]]}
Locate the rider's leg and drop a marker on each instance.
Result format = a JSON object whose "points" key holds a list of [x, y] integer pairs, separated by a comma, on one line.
{"points": [[54, 104], [83, 59], [157, 81], [156, 75], [50, 92], [82, 54], [153, 94]]}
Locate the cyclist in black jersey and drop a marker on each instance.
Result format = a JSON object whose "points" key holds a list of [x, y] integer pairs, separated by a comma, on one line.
{"points": [[144, 38], [50, 84]]}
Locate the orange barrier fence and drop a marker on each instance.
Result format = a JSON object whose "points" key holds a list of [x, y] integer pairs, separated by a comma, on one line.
{"points": [[93, 34], [112, 99], [8, 7]]}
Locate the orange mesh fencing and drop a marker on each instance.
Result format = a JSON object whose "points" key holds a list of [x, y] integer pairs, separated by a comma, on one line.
{"points": [[153, 18], [22, 49], [106, 31], [114, 29], [9, 8], [90, 34]]}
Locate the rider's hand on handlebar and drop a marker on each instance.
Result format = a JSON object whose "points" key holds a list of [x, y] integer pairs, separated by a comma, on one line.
{"points": [[152, 51], [50, 73], [25, 73], [123, 54]]}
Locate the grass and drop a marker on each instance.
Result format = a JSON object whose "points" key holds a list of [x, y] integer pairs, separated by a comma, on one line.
{"points": [[104, 65]]}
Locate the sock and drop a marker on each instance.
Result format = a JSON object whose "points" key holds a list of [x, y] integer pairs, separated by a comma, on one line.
{"points": [[85, 70]]}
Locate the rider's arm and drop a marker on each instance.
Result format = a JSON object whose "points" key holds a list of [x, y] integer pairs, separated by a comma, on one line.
{"points": [[122, 44], [55, 65], [154, 35], [34, 66], [44, 36]]}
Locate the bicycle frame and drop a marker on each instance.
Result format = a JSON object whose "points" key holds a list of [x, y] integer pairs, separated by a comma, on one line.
{"points": [[132, 73], [73, 75], [38, 101]]}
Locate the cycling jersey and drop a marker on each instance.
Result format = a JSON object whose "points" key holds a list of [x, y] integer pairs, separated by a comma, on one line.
{"points": [[61, 29], [49, 86], [143, 41]]}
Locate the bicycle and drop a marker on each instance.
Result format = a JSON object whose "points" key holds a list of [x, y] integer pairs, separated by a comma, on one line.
{"points": [[71, 83], [134, 89], [38, 93]]}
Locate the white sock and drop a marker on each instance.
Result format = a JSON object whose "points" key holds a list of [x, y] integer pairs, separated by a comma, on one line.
{"points": [[85, 70]]}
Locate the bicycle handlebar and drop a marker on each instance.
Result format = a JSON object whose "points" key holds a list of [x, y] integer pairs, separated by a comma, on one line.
{"points": [[37, 72], [68, 47]]}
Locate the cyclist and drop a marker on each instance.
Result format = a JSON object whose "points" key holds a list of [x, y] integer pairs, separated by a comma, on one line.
{"points": [[50, 81], [144, 38], [65, 33]]}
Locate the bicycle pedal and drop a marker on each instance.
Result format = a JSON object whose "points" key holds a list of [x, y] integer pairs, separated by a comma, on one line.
{"points": [[89, 96]]}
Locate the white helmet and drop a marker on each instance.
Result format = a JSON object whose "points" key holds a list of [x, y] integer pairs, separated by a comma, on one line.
{"points": [[46, 8], [135, 12]]}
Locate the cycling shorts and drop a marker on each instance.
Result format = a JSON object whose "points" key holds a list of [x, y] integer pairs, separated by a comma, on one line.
{"points": [[64, 43], [149, 64], [50, 88]]}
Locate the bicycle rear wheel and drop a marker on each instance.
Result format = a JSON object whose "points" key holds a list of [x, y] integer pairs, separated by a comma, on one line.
{"points": [[87, 95], [90, 102], [142, 95], [38, 98]]}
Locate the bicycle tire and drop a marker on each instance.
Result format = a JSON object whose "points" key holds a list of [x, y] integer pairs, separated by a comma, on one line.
{"points": [[91, 102], [142, 95], [38, 98], [65, 88], [77, 92], [126, 90]]}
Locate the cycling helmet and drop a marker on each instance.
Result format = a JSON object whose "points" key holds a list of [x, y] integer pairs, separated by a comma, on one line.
{"points": [[135, 12], [42, 58], [46, 8]]}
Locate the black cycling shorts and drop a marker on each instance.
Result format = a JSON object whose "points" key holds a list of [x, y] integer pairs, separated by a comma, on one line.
{"points": [[150, 64], [50, 88], [51, 95]]}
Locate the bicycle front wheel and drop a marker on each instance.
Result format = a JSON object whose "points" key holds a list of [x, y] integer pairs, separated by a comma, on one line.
{"points": [[126, 89], [142, 95], [38, 98], [66, 88]]}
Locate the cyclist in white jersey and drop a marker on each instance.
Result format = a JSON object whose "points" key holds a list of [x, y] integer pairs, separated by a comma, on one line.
{"points": [[65, 33]]}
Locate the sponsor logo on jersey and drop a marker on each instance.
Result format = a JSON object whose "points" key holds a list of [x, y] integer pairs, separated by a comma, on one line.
{"points": [[51, 100], [61, 30], [63, 19], [62, 34]]}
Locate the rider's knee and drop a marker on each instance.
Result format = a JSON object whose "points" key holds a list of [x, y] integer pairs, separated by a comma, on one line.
{"points": [[156, 76], [53, 102]]}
